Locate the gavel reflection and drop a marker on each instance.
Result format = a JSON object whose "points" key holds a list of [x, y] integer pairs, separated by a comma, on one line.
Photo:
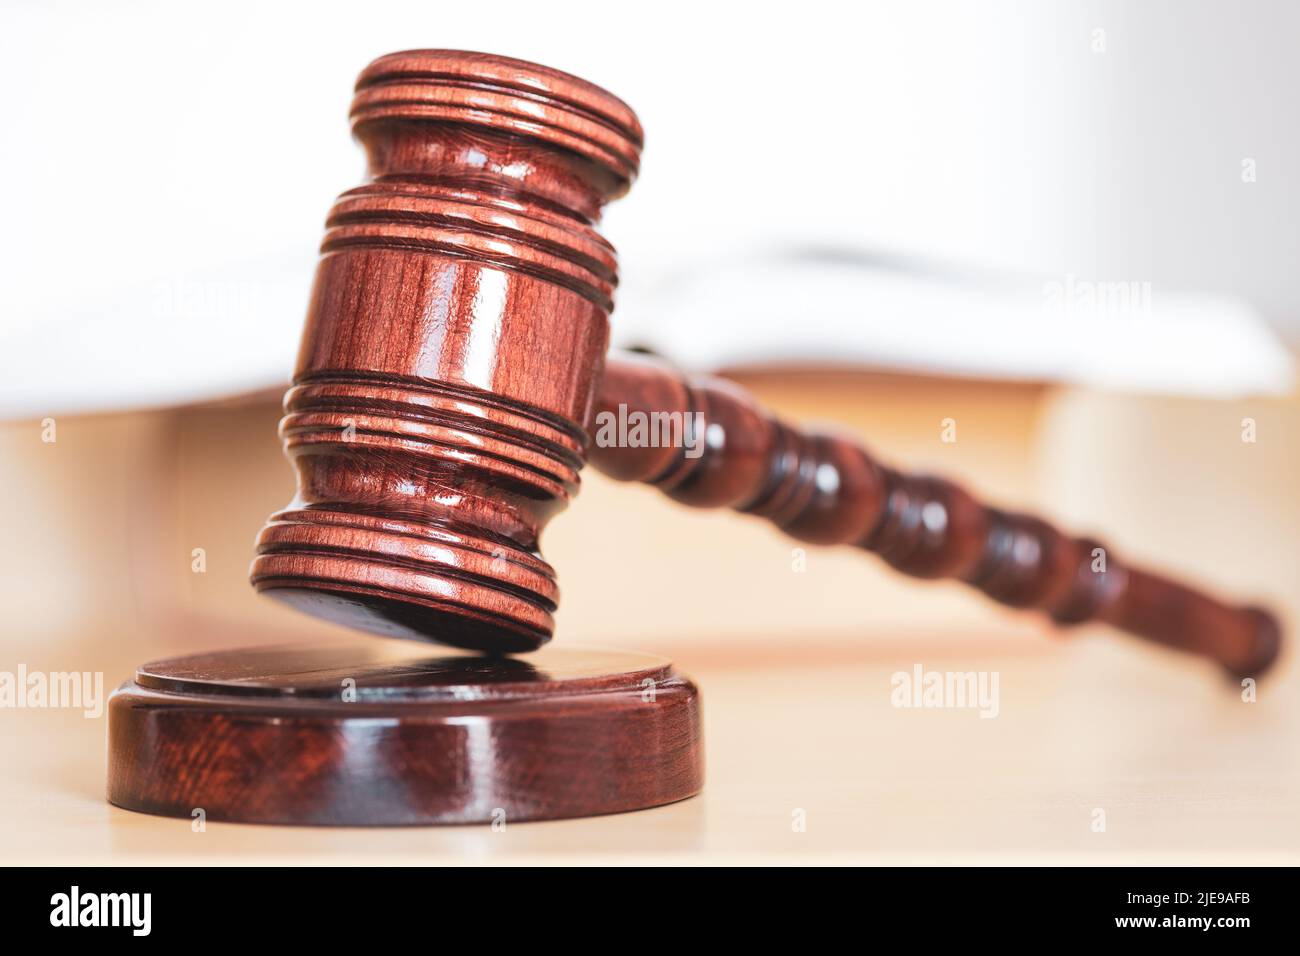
{"points": [[453, 363]]}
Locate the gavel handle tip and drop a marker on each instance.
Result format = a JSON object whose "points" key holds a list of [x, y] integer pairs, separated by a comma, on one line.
{"points": [[1268, 644]]}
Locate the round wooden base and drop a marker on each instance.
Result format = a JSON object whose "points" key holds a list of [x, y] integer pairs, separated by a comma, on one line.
{"points": [[381, 732]]}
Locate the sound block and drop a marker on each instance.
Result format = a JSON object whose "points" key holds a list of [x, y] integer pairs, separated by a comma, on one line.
{"points": [[383, 732]]}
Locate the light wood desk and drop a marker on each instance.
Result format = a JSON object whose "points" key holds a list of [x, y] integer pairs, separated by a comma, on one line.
{"points": [[1184, 771], [794, 669]]}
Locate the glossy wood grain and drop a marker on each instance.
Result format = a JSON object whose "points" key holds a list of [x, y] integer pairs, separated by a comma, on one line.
{"points": [[269, 735], [450, 363], [824, 488], [454, 338]]}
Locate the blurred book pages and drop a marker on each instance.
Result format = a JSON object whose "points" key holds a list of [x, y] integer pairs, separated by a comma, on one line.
{"points": [[234, 329], [829, 308]]}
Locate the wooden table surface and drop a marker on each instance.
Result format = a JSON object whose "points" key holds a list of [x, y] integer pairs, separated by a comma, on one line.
{"points": [[1184, 770]]}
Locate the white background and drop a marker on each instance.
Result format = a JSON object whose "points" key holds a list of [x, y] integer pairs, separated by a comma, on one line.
{"points": [[167, 168]]}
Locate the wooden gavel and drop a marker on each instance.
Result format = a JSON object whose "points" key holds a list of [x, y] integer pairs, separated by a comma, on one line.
{"points": [[453, 372]]}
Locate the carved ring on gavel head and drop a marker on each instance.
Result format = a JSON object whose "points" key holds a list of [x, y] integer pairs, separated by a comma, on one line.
{"points": [[454, 359]]}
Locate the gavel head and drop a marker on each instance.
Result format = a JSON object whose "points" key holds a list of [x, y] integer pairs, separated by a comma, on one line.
{"points": [[455, 334]]}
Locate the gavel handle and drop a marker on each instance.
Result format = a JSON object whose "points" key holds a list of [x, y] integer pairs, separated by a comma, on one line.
{"points": [[826, 489]]}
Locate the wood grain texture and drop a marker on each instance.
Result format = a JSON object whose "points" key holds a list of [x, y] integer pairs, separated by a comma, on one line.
{"points": [[455, 334], [453, 350], [264, 735], [824, 488]]}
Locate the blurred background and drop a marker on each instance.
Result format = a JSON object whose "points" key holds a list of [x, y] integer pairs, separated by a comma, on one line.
{"points": [[1068, 227]]}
